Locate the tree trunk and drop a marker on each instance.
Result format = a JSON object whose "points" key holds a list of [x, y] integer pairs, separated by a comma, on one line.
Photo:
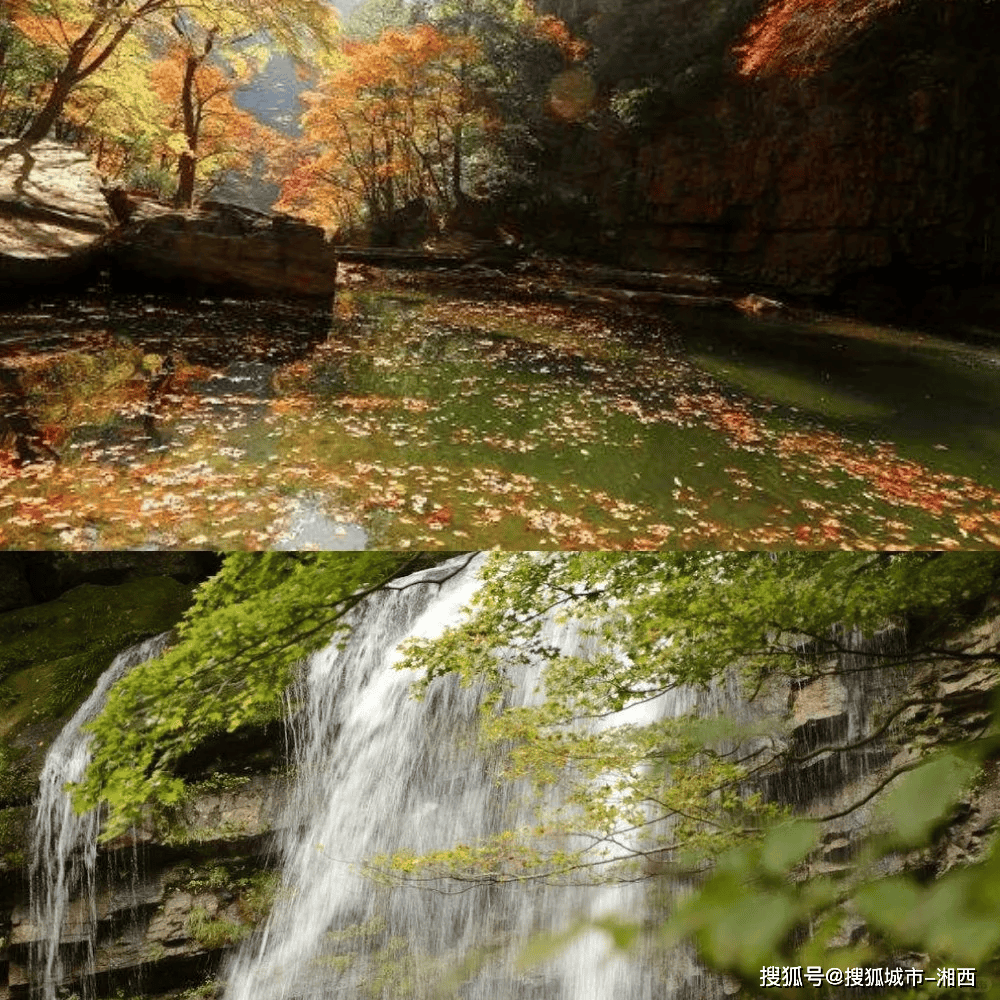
{"points": [[189, 158], [188, 164], [185, 181], [72, 74], [456, 166], [46, 118]]}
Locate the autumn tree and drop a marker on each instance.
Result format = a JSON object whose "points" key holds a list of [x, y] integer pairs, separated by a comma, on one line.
{"points": [[369, 19], [383, 129], [532, 77], [24, 68], [403, 116], [116, 113], [85, 34], [656, 58], [206, 131]]}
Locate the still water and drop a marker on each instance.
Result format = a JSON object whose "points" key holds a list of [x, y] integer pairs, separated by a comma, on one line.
{"points": [[412, 417]]}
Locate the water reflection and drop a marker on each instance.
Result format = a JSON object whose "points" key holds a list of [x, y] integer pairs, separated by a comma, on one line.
{"points": [[416, 418], [127, 363], [920, 390], [311, 528]]}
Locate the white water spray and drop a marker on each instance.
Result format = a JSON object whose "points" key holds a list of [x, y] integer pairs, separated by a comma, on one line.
{"points": [[64, 843], [379, 773]]}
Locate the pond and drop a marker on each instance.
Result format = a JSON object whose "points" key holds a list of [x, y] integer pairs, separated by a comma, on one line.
{"points": [[410, 416]]}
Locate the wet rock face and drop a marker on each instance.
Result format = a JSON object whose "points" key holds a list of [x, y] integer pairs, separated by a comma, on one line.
{"points": [[50, 574], [170, 902], [839, 194], [52, 213], [15, 591], [179, 893], [219, 246], [872, 176], [28, 578]]}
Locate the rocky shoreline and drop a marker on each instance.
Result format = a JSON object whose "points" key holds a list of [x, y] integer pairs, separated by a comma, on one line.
{"points": [[61, 228], [59, 224], [53, 215]]}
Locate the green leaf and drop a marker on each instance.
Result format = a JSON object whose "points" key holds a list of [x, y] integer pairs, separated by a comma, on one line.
{"points": [[623, 934], [926, 795], [542, 947], [746, 931], [786, 845], [891, 904]]}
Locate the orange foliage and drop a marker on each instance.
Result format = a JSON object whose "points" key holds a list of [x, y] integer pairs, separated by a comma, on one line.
{"points": [[550, 29], [49, 32], [401, 58], [395, 122], [383, 129], [226, 136], [797, 37]]}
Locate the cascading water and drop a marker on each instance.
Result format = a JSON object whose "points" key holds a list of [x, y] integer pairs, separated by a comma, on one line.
{"points": [[64, 843], [379, 772]]}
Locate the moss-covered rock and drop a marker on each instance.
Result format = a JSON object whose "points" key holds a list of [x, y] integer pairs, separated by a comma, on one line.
{"points": [[163, 928], [15, 591], [51, 654], [15, 826], [53, 573]]}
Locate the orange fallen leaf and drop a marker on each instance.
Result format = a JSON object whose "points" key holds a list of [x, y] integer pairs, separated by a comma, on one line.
{"points": [[440, 517]]}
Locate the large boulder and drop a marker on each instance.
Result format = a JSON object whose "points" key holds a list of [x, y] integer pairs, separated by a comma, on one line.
{"points": [[53, 214], [219, 246]]}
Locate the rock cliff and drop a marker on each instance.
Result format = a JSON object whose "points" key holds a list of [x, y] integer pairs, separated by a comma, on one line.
{"points": [[56, 224], [227, 247], [52, 214], [861, 159], [190, 884], [174, 897]]}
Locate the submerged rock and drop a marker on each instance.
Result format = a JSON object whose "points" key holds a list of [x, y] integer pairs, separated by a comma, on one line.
{"points": [[226, 247], [53, 214]]}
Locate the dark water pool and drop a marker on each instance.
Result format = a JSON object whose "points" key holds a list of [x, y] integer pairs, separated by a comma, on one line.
{"points": [[408, 418]]}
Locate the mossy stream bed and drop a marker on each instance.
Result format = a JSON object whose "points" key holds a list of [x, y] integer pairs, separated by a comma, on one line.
{"points": [[408, 417]]}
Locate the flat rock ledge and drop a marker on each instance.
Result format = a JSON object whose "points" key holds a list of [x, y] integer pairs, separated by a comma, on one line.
{"points": [[53, 214], [225, 247], [56, 225]]}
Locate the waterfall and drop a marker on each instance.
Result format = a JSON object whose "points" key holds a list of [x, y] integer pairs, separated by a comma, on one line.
{"points": [[379, 772], [64, 843]]}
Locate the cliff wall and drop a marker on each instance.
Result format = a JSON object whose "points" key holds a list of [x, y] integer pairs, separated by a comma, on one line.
{"points": [[853, 149]]}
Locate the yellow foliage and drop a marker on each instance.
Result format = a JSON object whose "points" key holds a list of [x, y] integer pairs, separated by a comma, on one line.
{"points": [[383, 127], [226, 136]]}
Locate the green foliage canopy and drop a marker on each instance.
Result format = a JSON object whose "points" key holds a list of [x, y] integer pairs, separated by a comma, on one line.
{"points": [[238, 647], [668, 795], [676, 794]]}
